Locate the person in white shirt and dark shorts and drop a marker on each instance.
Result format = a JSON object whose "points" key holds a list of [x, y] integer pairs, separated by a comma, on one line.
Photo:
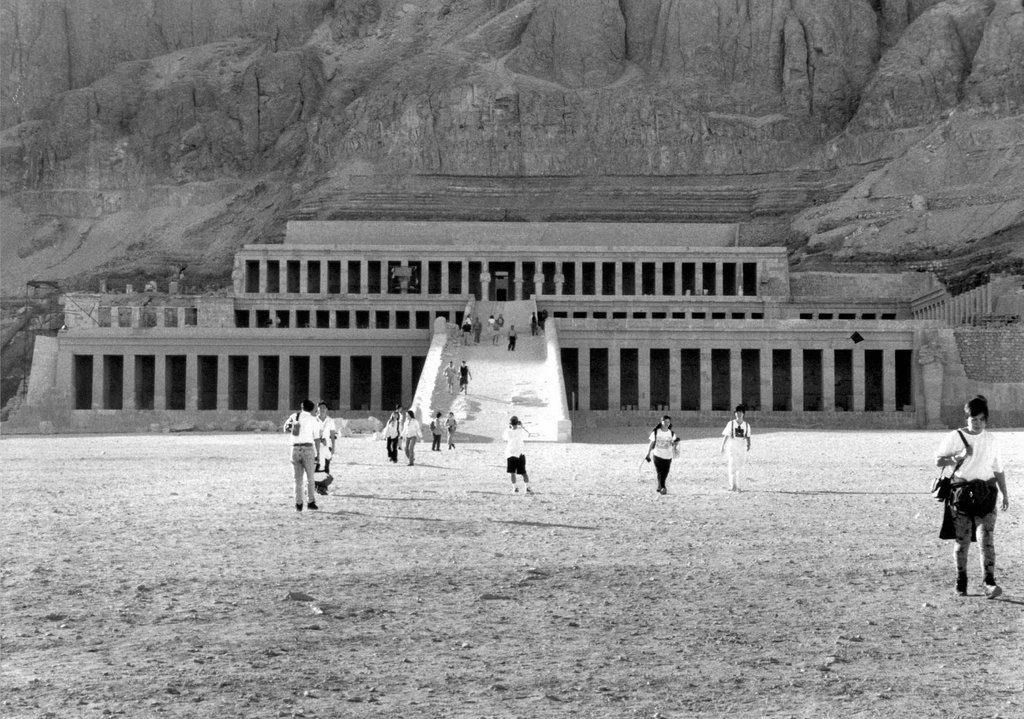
{"points": [[515, 453], [663, 444], [325, 447], [735, 445], [304, 429], [974, 453]]}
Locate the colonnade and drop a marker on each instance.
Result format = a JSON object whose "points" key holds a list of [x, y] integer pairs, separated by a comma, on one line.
{"points": [[792, 379], [607, 276], [242, 382]]}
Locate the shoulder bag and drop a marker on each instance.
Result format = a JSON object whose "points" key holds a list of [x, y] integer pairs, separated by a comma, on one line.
{"points": [[941, 485]]}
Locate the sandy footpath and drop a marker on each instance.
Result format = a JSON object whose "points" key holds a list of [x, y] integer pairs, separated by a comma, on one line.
{"points": [[149, 576]]}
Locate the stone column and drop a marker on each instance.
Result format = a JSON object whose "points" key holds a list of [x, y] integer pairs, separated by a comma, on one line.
{"points": [[485, 285], [282, 275], [343, 280], [263, 277], [797, 366], [858, 380], [345, 382], [705, 379], [618, 278], [517, 281], [222, 382], [385, 281], [718, 279], [828, 379], [314, 376], [323, 276], [643, 374], [614, 378], [538, 279], [284, 384], [128, 383], [364, 277], [735, 377], [675, 379], [659, 280], [375, 377], [160, 382], [445, 278], [638, 279], [303, 277], [698, 278], [739, 279], [767, 380], [252, 391], [889, 380], [191, 383], [584, 378], [559, 283]]}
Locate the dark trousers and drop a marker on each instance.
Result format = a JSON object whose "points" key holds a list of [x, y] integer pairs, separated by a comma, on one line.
{"points": [[436, 446], [393, 448], [511, 342], [661, 466]]}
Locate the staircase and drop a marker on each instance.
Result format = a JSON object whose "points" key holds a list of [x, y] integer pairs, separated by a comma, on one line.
{"points": [[524, 382]]}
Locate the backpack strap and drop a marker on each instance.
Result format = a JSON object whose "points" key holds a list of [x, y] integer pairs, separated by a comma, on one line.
{"points": [[966, 446]]}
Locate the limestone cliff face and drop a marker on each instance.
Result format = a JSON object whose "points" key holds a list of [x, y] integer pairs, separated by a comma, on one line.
{"points": [[141, 135], [56, 45]]}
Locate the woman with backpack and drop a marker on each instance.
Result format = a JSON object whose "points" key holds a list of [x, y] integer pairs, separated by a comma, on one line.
{"points": [[663, 447], [977, 480]]}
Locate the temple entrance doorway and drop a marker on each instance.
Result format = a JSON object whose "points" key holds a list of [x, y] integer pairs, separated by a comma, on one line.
{"points": [[502, 275]]}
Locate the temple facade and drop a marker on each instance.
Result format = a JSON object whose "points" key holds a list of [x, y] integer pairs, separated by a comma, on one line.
{"points": [[643, 318]]}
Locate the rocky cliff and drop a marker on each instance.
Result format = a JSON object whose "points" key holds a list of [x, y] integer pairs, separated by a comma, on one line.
{"points": [[142, 136]]}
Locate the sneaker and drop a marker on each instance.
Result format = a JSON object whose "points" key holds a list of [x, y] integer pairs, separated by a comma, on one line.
{"points": [[961, 585], [662, 490], [992, 591], [515, 488], [298, 507], [529, 491], [312, 505]]}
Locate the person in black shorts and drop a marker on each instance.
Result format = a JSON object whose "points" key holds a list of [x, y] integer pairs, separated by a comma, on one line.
{"points": [[464, 376], [515, 453]]}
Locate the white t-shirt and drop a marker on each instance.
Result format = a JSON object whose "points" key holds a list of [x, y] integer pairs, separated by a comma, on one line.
{"points": [[984, 461], [664, 443], [411, 428], [309, 428], [515, 441], [742, 429], [327, 428]]}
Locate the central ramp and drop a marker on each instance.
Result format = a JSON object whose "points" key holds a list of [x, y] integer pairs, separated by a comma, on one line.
{"points": [[503, 383]]}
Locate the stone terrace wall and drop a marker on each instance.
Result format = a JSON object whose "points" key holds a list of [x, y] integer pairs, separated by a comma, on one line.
{"points": [[902, 285], [992, 355]]}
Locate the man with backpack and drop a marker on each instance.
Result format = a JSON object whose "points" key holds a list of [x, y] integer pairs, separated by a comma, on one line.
{"points": [[977, 481]]}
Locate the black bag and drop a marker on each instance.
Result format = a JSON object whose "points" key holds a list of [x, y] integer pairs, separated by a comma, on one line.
{"points": [[973, 499], [941, 485]]}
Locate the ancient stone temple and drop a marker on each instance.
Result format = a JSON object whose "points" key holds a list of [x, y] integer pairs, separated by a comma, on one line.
{"points": [[637, 320]]}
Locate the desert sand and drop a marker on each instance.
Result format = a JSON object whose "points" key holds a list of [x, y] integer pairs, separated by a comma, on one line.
{"points": [[170, 576]]}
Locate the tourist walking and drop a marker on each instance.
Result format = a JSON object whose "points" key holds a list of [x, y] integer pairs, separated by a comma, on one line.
{"points": [[515, 453], [533, 324], [303, 429], [663, 447], [977, 480], [449, 376], [493, 328], [411, 432], [326, 441], [436, 427], [450, 426], [392, 431], [464, 376], [467, 329], [511, 338], [477, 327], [736, 445]]}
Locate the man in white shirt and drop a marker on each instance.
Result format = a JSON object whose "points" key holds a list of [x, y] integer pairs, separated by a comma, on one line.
{"points": [[515, 453], [325, 447], [303, 429]]}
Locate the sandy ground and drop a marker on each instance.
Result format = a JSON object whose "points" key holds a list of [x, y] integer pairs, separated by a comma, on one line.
{"points": [[149, 576]]}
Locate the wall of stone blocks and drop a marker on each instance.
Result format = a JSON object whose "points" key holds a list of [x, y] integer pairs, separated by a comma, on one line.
{"points": [[904, 285], [992, 354]]}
